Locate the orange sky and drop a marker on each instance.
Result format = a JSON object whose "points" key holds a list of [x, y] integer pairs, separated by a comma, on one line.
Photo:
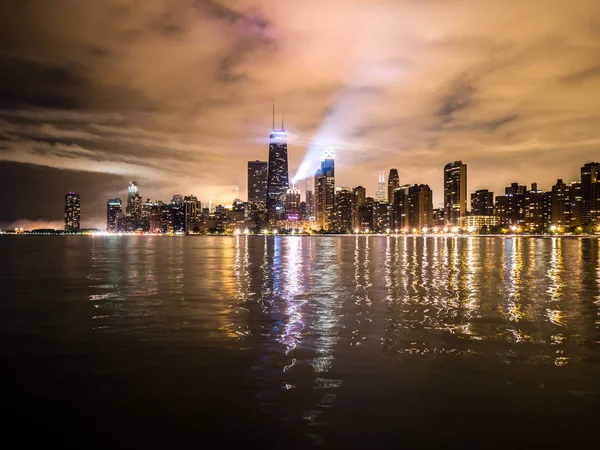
{"points": [[178, 93]]}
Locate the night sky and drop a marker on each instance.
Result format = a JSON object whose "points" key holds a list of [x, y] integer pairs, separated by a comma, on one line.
{"points": [[177, 94]]}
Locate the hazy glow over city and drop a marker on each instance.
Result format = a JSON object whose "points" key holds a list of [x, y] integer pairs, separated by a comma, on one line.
{"points": [[178, 95]]}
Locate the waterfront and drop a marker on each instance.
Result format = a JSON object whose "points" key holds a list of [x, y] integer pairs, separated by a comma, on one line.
{"points": [[293, 342]]}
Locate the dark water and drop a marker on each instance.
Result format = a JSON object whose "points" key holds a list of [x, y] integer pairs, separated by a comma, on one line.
{"points": [[295, 342]]}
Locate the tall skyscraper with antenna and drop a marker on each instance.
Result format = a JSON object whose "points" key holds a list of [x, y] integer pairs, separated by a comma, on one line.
{"points": [[277, 172]]}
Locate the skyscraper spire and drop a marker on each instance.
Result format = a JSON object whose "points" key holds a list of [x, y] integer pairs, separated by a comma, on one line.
{"points": [[282, 119], [273, 114]]}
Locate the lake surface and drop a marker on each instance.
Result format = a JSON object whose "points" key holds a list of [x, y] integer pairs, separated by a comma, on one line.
{"points": [[299, 342]]}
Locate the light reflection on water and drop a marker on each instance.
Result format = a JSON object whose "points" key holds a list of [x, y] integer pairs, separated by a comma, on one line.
{"points": [[318, 320]]}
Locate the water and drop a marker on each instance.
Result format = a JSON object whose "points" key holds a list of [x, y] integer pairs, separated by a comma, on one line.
{"points": [[297, 342]]}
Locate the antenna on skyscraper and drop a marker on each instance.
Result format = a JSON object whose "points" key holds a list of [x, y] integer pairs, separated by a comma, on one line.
{"points": [[273, 114], [282, 119]]}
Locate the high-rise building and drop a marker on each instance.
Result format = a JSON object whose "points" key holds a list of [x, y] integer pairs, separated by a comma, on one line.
{"points": [[510, 208], [382, 216], [380, 194], [534, 210], [393, 184], [292, 204], [72, 212], [257, 185], [132, 190], [482, 203], [325, 192], [560, 215], [309, 197], [192, 208], [277, 173], [590, 193], [455, 192], [359, 195], [114, 215], [365, 214], [413, 205], [343, 205], [177, 214]]}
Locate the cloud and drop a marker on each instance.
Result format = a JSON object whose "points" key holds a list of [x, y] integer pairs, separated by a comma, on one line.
{"points": [[178, 94]]}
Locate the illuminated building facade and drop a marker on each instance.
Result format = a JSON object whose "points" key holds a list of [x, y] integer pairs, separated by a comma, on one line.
{"points": [[292, 205], [476, 223], [257, 185], [72, 212], [482, 203], [534, 210], [277, 175], [392, 184], [455, 192], [114, 215], [343, 205]]}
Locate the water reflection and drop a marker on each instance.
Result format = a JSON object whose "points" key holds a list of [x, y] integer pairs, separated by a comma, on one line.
{"points": [[316, 317]]}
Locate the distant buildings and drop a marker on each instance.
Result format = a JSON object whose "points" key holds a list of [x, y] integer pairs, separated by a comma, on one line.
{"points": [[272, 205], [455, 192], [72, 212]]}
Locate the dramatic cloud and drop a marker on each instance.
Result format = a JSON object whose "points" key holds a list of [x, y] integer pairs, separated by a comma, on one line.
{"points": [[177, 94]]}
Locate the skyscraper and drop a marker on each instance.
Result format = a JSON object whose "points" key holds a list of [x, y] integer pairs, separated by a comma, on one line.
{"points": [[177, 214], [482, 203], [292, 204], [393, 184], [277, 173], [132, 190], [72, 212], [413, 205], [534, 210], [455, 192], [309, 197], [359, 195], [380, 194], [590, 193], [114, 215], [257, 185], [343, 205], [192, 209], [325, 192], [560, 215]]}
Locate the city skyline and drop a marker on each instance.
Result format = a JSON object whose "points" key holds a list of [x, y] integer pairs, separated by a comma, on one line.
{"points": [[486, 84], [565, 208]]}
